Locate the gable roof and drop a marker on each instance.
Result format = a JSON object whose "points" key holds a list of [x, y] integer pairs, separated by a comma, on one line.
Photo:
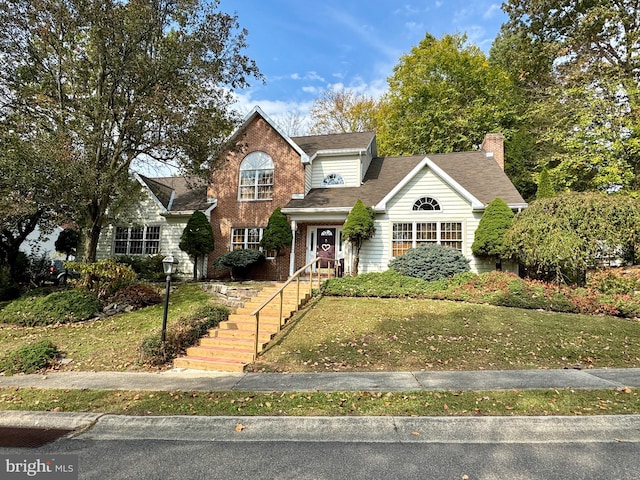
{"points": [[177, 194], [474, 175], [340, 142]]}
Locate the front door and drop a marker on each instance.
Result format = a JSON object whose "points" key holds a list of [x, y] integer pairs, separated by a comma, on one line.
{"points": [[326, 248]]}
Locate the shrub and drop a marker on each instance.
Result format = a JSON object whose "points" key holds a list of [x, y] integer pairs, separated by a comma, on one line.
{"points": [[238, 261], [147, 267], [430, 262], [103, 278], [137, 296], [59, 307], [495, 288], [615, 280], [182, 334], [30, 358]]}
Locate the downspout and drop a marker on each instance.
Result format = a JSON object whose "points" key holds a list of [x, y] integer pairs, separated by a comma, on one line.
{"points": [[292, 254]]}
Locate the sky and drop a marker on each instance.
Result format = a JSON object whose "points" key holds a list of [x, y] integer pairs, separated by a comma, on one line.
{"points": [[306, 47]]}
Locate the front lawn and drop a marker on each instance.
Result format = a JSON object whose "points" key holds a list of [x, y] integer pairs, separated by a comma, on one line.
{"points": [[111, 343], [372, 334]]}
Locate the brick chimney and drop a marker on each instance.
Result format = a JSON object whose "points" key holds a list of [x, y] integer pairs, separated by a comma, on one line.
{"points": [[493, 145]]}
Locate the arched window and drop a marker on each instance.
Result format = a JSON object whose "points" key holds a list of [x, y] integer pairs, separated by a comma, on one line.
{"points": [[426, 203], [256, 177], [332, 179]]}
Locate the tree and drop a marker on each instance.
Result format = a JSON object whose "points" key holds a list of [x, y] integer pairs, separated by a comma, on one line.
{"points": [[489, 236], [342, 111], [67, 242], [277, 235], [444, 96], [121, 81], [545, 187], [560, 237], [587, 103], [197, 239], [359, 226], [33, 187]]}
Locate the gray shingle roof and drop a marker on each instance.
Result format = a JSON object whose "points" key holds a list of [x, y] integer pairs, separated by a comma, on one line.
{"points": [[190, 194], [474, 171], [335, 141]]}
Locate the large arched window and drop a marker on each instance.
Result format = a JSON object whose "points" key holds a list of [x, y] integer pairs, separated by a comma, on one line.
{"points": [[332, 179], [426, 203], [256, 177]]}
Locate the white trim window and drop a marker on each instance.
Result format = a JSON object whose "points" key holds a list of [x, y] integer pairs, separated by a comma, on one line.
{"points": [[331, 180], [256, 177], [426, 203], [408, 235], [137, 240], [249, 238]]}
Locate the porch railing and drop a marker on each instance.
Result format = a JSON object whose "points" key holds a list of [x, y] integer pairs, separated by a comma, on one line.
{"points": [[331, 270]]}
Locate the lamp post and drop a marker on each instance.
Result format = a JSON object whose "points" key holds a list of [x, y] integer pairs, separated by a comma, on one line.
{"points": [[169, 265]]}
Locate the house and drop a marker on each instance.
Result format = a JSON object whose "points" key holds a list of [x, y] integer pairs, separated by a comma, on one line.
{"points": [[316, 180], [153, 225]]}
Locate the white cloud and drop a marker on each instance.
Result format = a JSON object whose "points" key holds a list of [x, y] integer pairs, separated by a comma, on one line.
{"points": [[493, 9]]}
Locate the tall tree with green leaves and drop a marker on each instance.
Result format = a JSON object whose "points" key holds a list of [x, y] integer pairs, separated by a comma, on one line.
{"points": [[489, 236], [122, 81], [34, 187], [197, 239], [277, 235], [587, 104], [359, 226], [444, 96], [545, 187]]}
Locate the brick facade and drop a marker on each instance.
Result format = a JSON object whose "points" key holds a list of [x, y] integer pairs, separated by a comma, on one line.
{"points": [[257, 135]]}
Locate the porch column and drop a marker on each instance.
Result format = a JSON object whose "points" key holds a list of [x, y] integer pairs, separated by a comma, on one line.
{"points": [[292, 254]]}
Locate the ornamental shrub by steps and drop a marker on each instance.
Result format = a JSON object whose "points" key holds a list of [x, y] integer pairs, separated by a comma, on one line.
{"points": [[185, 332], [430, 262]]}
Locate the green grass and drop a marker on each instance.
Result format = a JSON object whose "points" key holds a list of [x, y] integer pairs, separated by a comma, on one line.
{"points": [[365, 334], [422, 403], [110, 343], [355, 334]]}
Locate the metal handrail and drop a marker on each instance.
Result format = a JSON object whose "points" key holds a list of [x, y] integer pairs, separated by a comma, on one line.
{"points": [[280, 291]]}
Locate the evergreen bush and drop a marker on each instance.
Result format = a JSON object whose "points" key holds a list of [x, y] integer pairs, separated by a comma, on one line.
{"points": [[30, 358], [430, 262], [59, 307], [147, 267], [238, 261]]}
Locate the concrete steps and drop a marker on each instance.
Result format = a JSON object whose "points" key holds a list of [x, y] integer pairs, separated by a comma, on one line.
{"points": [[231, 346]]}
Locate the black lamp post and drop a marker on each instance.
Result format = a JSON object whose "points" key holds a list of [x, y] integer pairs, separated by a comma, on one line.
{"points": [[169, 265]]}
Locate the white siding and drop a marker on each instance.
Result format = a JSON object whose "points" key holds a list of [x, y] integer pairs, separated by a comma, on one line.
{"points": [[376, 252], [347, 167], [147, 213], [308, 169]]}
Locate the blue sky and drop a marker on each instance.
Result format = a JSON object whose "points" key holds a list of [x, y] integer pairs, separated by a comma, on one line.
{"points": [[304, 47]]}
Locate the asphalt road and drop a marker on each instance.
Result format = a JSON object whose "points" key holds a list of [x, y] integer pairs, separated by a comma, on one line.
{"points": [[184, 448]]}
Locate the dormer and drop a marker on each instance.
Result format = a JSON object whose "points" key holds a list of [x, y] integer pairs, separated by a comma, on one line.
{"points": [[337, 160]]}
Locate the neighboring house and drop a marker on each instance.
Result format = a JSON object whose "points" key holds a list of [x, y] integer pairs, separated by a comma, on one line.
{"points": [[153, 226], [316, 180]]}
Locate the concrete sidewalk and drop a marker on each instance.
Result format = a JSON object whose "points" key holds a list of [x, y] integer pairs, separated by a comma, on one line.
{"points": [[97, 426], [187, 380]]}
